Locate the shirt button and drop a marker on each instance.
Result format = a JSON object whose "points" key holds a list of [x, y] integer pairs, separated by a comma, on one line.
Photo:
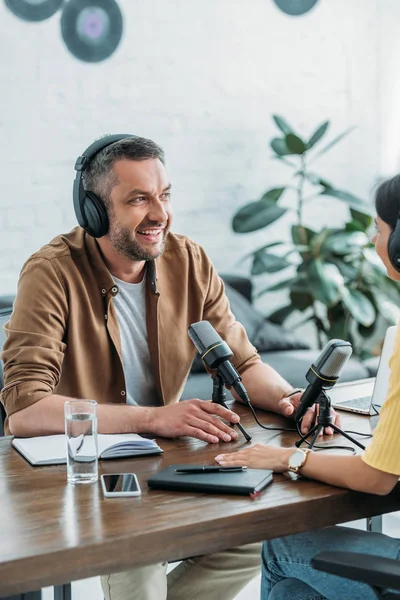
{"points": [[106, 317], [104, 291], [122, 392], [114, 289]]}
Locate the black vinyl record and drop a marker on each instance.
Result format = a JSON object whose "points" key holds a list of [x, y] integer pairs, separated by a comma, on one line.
{"points": [[295, 7], [34, 10], [91, 29]]}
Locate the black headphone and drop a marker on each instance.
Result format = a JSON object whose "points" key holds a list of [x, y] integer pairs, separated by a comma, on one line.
{"points": [[394, 246], [89, 209]]}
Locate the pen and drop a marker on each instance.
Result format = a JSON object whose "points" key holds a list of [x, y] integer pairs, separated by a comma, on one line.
{"points": [[210, 470]]}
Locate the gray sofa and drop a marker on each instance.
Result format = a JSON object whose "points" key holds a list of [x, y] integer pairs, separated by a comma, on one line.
{"points": [[283, 350]]}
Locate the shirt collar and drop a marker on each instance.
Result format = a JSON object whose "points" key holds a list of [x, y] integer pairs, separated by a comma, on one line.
{"points": [[104, 277]]}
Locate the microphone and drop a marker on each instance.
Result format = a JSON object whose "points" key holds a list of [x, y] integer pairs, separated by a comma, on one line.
{"points": [[216, 353], [324, 373]]}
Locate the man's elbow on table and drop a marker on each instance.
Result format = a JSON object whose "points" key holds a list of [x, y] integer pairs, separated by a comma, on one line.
{"points": [[44, 417]]}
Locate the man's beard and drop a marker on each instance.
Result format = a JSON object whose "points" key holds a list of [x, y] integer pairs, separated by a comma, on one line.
{"points": [[120, 239]]}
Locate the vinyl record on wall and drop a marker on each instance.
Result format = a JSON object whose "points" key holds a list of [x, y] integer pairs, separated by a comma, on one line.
{"points": [[34, 10], [295, 7], [91, 29]]}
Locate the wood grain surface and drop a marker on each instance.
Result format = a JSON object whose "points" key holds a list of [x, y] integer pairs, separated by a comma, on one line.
{"points": [[52, 533]]}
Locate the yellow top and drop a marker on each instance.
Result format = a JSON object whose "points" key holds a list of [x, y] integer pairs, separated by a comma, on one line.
{"points": [[384, 451]]}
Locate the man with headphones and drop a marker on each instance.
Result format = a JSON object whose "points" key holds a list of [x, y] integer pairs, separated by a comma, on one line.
{"points": [[103, 312]]}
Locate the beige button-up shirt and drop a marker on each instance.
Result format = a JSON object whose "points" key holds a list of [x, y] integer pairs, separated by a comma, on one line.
{"points": [[63, 335]]}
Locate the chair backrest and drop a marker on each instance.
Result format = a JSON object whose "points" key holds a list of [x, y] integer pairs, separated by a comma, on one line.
{"points": [[5, 314]]}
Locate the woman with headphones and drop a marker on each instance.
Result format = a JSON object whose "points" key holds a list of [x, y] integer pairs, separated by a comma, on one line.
{"points": [[286, 562]]}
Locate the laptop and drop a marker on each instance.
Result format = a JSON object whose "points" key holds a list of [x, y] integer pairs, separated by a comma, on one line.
{"points": [[361, 395]]}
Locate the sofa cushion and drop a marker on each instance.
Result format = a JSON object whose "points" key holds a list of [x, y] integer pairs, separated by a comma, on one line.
{"points": [[265, 336], [273, 338]]}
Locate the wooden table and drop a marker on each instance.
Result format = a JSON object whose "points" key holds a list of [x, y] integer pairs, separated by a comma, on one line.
{"points": [[52, 533]]}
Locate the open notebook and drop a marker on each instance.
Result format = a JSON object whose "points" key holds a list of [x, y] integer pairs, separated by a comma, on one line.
{"points": [[51, 449]]}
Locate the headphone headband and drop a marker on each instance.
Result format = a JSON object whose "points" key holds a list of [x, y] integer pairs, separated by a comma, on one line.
{"points": [[89, 209]]}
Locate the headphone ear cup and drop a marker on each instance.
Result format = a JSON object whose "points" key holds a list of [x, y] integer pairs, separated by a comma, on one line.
{"points": [[394, 246], [96, 215]]}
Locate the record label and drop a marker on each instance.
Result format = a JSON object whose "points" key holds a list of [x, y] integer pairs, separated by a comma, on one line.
{"points": [[91, 29]]}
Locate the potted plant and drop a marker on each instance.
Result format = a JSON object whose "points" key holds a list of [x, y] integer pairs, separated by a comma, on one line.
{"points": [[332, 274]]}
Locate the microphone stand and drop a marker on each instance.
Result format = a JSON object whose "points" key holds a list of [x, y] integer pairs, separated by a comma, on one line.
{"points": [[219, 396], [325, 419]]}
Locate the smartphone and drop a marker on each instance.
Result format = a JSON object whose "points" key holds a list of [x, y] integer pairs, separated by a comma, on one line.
{"points": [[120, 484]]}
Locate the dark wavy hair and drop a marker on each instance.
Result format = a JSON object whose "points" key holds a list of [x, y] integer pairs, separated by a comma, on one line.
{"points": [[387, 200]]}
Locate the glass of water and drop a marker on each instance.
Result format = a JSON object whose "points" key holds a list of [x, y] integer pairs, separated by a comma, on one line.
{"points": [[81, 440]]}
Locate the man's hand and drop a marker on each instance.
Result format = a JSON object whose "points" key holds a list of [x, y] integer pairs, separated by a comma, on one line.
{"points": [[287, 406], [196, 418], [258, 456]]}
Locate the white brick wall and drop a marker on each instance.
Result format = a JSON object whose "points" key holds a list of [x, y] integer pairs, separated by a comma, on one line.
{"points": [[202, 79]]}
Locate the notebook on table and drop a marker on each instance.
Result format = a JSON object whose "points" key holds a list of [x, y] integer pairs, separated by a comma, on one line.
{"points": [[250, 482], [360, 395], [51, 449]]}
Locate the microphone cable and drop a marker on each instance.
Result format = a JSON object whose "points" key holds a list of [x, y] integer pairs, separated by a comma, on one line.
{"points": [[332, 447], [246, 399]]}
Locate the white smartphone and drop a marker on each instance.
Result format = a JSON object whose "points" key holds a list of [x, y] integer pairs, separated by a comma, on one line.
{"points": [[120, 485]]}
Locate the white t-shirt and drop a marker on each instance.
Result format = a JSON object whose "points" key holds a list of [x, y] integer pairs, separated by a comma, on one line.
{"points": [[130, 306]]}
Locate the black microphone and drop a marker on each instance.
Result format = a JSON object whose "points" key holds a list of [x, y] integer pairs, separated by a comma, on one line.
{"points": [[216, 353], [324, 373]]}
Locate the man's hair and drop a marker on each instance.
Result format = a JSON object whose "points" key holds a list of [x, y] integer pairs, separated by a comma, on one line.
{"points": [[99, 176]]}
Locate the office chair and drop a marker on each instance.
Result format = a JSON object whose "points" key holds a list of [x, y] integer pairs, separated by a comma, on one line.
{"points": [[61, 592], [377, 572]]}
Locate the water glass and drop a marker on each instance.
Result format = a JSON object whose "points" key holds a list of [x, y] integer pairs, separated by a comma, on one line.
{"points": [[81, 440]]}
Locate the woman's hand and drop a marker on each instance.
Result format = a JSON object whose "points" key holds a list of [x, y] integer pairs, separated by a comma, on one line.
{"points": [[258, 456]]}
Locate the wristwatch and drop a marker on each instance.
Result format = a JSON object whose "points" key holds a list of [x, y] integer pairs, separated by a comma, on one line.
{"points": [[297, 460]]}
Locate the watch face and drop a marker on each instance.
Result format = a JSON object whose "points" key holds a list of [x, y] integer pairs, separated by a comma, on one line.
{"points": [[297, 459]]}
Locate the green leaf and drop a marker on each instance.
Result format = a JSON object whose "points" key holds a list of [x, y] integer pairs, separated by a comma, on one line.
{"points": [[387, 308], [349, 271], [318, 241], [325, 281], [350, 199], [338, 329], [281, 285], [365, 220], [317, 135], [333, 142], [253, 252], [256, 215], [302, 236], [278, 145], [301, 300], [346, 242], [359, 306], [282, 124], [280, 315], [354, 226], [273, 194], [295, 144], [264, 262], [366, 332]]}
